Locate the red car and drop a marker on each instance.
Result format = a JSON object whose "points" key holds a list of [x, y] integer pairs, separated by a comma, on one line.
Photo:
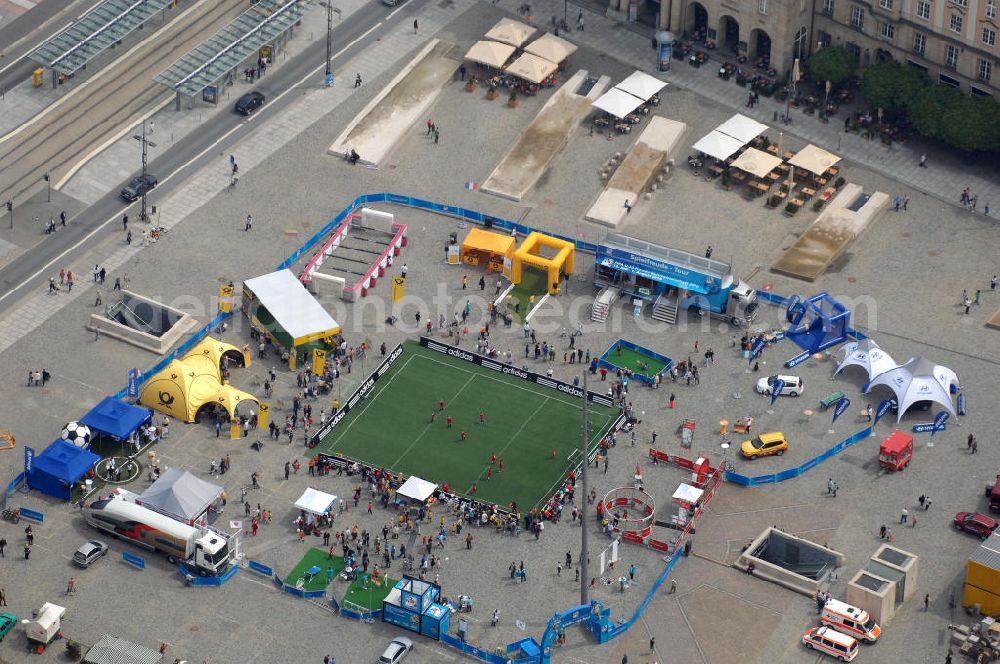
{"points": [[977, 524]]}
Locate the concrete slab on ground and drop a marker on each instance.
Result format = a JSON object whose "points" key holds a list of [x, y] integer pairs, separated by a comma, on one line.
{"points": [[829, 236], [543, 139], [386, 118], [650, 150]]}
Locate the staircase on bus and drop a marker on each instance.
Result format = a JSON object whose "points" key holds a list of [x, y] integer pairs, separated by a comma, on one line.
{"points": [[602, 304], [665, 309]]}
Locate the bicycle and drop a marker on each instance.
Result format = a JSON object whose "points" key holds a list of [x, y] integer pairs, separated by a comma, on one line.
{"points": [[12, 515]]}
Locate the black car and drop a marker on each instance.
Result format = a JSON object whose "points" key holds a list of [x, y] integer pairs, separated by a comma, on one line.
{"points": [[249, 103], [137, 186]]}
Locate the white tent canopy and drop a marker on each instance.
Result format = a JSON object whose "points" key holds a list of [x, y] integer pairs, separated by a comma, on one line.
{"points": [[742, 128], [490, 53], [641, 85], [814, 159], [415, 488], [757, 162], [531, 68], [291, 305], [315, 501], [181, 495], [511, 32], [618, 102], [867, 355], [918, 380], [550, 47], [718, 145], [687, 493]]}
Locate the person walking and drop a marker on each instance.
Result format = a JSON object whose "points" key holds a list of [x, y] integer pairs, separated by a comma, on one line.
{"points": [[3, 545], [415, 26], [923, 161], [249, 223], [3, 597], [71, 586], [357, 81], [124, 222], [927, 601], [904, 515]]}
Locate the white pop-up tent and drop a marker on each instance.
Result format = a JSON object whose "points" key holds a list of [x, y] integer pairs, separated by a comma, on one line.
{"points": [[918, 380], [742, 128], [511, 32], [315, 501], [416, 489], [641, 85], [718, 145], [532, 68], [814, 159], [618, 102], [867, 355], [686, 493], [550, 47]]}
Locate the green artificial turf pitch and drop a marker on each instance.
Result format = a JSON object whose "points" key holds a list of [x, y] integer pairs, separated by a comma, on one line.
{"points": [[370, 598], [319, 558], [630, 359], [532, 283], [392, 428]]}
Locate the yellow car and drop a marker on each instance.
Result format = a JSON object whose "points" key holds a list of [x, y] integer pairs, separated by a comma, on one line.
{"points": [[765, 444]]}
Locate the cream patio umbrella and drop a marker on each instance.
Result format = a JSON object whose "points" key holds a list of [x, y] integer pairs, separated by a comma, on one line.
{"points": [[511, 32], [490, 53], [814, 159], [531, 68], [552, 48], [756, 162]]}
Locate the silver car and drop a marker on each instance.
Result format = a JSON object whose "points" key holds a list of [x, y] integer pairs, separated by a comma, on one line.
{"points": [[89, 552], [396, 650]]}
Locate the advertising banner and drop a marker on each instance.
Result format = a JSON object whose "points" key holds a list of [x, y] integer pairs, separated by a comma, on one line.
{"points": [[319, 361], [842, 406]]}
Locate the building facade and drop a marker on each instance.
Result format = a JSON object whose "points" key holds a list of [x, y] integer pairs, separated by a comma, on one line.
{"points": [[954, 41]]}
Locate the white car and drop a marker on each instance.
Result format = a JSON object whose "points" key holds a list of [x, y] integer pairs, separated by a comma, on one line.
{"points": [[396, 650], [792, 387], [89, 552]]}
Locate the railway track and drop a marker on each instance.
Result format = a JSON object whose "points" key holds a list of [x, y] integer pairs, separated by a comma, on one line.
{"points": [[68, 132]]}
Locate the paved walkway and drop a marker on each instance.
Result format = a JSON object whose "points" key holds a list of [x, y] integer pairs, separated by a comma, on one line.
{"points": [[944, 178]]}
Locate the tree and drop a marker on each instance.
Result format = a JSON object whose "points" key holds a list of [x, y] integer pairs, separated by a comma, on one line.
{"points": [[891, 85], [928, 109], [833, 63], [971, 123]]}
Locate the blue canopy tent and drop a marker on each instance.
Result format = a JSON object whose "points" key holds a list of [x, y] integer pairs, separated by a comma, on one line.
{"points": [[54, 471], [116, 419]]}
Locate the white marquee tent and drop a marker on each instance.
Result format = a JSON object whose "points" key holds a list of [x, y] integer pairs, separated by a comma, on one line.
{"points": [[618, 102], [918, 380], [718, 145], [417, 489], [814, 159], [688, 494], [315, 501], [742, 128], [641, 85], [867, 355]]}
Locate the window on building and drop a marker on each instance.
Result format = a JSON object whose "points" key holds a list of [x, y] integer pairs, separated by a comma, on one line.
{"points": [[919, 42], [858, 17], [951, 56], [762, 6], [989, 36], [985, 69], [960, 3], [924, 10], [991, 8], [825, 39], [854, 50], [885, 4], [887, 30], [828, 7], [955, 23]]}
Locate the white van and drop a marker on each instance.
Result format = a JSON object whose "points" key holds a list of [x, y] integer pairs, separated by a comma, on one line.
{"points": [[850, 620], [831, 642]]}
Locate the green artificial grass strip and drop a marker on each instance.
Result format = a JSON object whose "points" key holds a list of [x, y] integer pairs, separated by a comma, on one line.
{"points": [[370, 597], [631, 359], [317, 557]]}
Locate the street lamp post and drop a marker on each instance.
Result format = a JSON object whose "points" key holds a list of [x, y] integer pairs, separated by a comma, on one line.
{"points": [[145, 144]]}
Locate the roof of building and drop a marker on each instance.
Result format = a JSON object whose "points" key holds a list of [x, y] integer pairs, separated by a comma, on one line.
{"points": [[209, 62], [100, 28]]}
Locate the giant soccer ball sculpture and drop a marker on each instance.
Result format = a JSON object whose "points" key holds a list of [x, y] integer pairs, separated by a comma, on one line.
{"points": [[77, 434]]}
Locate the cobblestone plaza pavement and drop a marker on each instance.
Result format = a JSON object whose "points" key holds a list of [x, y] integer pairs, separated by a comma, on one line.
{"points": [[903, 278]]}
